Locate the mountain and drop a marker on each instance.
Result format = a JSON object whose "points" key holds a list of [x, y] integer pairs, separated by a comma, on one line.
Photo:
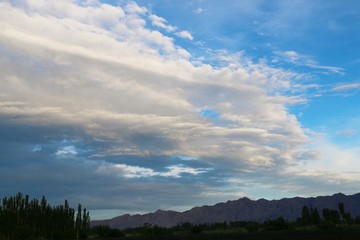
{"points": [[242, 209]]}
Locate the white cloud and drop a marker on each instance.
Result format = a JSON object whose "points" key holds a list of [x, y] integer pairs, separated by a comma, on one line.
{"points": [[91, 2], [158, 95], [185, 34], [292, 56], [306, 60], [133, 7], [176, 171], [161, 23], [347, 87], [66, 151], [129, 171], [327, 167]]}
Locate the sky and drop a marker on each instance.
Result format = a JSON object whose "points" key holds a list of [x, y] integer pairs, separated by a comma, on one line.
{"points": [[133, 106]]}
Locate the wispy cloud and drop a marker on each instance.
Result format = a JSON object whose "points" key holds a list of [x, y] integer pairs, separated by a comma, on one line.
{"points": [[347, 87], [306, 60], [347, 133], [128, 171], [199, 10]]}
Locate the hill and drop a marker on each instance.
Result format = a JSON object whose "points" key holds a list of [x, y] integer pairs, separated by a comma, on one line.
{"points": [[242, 209]]}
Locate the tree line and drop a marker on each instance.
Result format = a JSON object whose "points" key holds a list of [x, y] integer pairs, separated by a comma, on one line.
{"points": [[331, 217], [25, 218], [22, 218], [310, 219]]}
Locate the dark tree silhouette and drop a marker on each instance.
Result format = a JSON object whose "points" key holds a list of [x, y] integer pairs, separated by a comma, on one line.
{"points": [[314, 216], [21, 218], [305, 215]]}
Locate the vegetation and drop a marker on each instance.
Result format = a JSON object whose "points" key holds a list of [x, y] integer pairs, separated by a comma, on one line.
{"points": [[22, 218], [329, 224], [279, 229]]}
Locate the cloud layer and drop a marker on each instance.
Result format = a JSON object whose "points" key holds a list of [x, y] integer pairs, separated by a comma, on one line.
{"points": [[98, 103]]}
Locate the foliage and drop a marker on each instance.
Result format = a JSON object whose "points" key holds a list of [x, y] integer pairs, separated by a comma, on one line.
{"points": [[331, 216], [309, 216], [22, 218], [310, 220], [277, 224]]}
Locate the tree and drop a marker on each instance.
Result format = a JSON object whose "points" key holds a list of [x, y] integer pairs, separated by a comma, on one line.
{"points": [[334, 216], [314, 216], [78, 221], [326, 214], [21, 218], [305, 215]]}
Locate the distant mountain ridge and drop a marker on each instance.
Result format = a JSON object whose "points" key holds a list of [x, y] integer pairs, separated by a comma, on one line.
{"points": [[242, 209]]}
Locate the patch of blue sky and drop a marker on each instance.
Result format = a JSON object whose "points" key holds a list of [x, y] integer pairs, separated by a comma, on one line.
{"points": [[259, 192], [331, 110], [210, 114], [66, 151], [214, 117], [80, 145], [186, 158], [106, 213]]}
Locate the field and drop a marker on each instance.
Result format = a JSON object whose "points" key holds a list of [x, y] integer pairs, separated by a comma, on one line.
{"points": [[350, 233]]}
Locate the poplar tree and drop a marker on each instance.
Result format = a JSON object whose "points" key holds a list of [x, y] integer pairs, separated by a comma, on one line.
{"points": [[21, 218]]}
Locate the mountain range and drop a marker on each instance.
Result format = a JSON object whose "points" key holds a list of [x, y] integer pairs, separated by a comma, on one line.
{"points": [[243, 209]]}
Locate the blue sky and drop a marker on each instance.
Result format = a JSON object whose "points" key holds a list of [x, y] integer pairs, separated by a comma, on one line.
{"points": [[134, 106]]}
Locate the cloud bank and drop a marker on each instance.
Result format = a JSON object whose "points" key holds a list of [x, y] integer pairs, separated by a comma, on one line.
{"points": [[98, 107]]}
